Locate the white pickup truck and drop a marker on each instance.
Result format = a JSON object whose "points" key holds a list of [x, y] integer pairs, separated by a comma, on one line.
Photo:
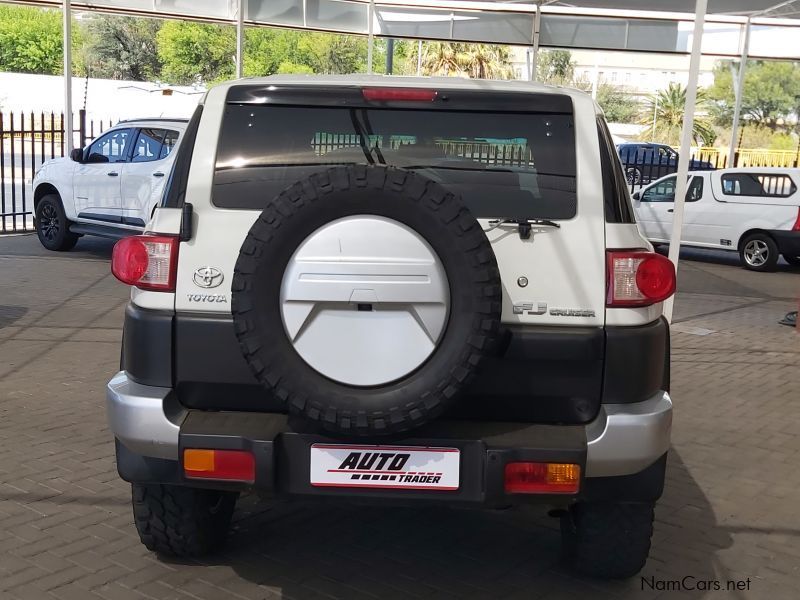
{"points": [[755, 211], [110, 188]]}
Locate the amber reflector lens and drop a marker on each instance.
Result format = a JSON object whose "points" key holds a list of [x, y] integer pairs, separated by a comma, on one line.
{"points": [[226, 465], [542, 478]]}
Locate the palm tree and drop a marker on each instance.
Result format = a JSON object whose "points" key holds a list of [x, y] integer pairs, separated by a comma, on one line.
{"points": [[663, 115], [439, 58], [483, 61]]}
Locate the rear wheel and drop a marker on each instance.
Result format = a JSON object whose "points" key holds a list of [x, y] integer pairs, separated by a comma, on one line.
{"points": [[608, 540], [792, 260], [52, 226], [758, 252], [633, 175], [182, 521]]}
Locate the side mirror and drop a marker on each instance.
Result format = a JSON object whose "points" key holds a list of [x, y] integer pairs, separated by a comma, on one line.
{"points": [[637, 196], [77, 154]]}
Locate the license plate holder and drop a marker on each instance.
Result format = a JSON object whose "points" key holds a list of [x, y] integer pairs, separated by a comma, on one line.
{"points": [[385, 467]]}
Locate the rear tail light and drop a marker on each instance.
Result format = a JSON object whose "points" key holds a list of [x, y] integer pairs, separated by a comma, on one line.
{"points": [[226, 465], [796, 226], [148, 262], [398, 95], [542, 478], [639, 278]]}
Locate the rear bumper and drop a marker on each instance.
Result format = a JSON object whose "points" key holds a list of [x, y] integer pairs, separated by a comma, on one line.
{"points": [[624, 442], [788, 241]]}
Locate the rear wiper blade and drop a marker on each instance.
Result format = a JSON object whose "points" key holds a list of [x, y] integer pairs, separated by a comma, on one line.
{"points": [[525, 225]]}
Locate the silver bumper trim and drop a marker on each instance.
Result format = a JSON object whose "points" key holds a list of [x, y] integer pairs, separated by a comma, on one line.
{"points": [[137, 417], [627, 438], [623, 439]]}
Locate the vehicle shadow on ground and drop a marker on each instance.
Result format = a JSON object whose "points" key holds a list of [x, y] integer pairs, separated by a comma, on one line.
{"points": [[9, 314], [305, 550]]}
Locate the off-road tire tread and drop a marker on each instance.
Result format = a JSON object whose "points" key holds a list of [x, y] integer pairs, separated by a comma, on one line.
{"points": [[608, 540], [179, 521], [439, 203]]}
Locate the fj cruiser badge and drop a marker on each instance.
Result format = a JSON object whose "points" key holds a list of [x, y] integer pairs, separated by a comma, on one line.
{"points": [[532, 308], [207, 277]]}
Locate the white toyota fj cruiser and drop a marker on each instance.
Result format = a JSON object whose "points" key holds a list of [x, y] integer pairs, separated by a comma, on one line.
{"points": [[398, 290]]}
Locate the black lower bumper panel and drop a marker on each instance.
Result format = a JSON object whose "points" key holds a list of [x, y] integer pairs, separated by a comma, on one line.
{"points": [[282, 460]]}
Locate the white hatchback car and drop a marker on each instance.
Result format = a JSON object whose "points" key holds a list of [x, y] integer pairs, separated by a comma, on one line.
{"points": [[110, 188], [755, 211]]}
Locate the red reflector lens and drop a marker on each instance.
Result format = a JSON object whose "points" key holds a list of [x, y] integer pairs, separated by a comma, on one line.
{"points": [[655, 278], [129, 260], [639, 278], [228, 465], [542, 478], [398, 95], [796, 226], [149, 262]]}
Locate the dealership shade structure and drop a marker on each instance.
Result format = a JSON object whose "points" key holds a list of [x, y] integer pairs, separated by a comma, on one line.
{"points": [[691, 27]]}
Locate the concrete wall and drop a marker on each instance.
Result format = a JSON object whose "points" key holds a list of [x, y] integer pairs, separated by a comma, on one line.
{"points": [[102, 98]]}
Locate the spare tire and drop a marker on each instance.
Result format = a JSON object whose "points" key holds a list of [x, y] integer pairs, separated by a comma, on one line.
{"points": [[365, 298]]}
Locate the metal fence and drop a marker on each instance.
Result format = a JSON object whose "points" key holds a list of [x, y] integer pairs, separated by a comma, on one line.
{"points": [[26, 141]]}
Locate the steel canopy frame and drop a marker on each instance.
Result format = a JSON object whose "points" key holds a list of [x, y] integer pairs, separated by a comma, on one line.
{"points": [[66, 13], [681, 183]]}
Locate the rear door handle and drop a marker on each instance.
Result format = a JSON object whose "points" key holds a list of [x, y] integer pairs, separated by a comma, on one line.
{"points": [[670, 210], [113, 174], [158, 174]]}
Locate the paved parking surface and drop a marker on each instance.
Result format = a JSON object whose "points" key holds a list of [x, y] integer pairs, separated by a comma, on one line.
{"points": [[729, 511]]}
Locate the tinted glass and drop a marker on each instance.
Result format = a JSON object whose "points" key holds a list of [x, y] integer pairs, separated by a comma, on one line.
{"points": [[663, 191], [170, 139], [505, 165], [175, 189], [758, 184], [113, 146], [615, 193], [148, 145], [695, 191]]}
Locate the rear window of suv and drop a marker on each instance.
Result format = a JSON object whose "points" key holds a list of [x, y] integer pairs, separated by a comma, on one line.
{"points": [[502, 164]]}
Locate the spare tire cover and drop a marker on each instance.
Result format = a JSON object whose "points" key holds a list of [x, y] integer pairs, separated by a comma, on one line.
{"points": [[365, 298]]}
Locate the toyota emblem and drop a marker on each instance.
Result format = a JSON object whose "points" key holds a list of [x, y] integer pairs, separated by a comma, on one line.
{"points": [[207, 277]]}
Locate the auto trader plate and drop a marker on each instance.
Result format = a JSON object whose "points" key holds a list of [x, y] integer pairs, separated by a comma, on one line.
{"points": [[385, 467]]}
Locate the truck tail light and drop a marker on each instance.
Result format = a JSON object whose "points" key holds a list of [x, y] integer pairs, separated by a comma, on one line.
{"points": [[796, 226], [542, 478], [398, 95], [225, 465], [149, 262], [638, 278]]}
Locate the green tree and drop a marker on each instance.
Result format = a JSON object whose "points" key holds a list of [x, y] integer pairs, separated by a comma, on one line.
{"points": [[555, 67], [332, 53], [30, 40], [618, 106], [771, 92], [268, 51], [193, 52], [483, 61], [122, 48], [669, 106]]}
